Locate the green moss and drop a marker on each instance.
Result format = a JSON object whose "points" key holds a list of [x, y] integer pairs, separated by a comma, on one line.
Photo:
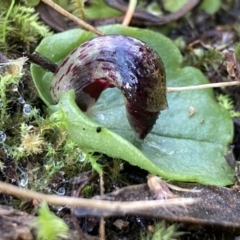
{"points": [[237, 51], [227, 103], [164, 232], [19, 23], [48, 225], [5, 84]]}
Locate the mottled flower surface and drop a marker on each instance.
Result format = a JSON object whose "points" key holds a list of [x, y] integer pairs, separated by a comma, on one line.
{"points": [[115, 61]]}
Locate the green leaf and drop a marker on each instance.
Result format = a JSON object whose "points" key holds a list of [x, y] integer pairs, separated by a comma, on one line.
{"points": [[174, 5], [179, 148], [212, 6], [99, 9], [84, 132]]}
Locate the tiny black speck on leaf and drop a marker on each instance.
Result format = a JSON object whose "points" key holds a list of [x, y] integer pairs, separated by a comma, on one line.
{"points": [[98, 129]]}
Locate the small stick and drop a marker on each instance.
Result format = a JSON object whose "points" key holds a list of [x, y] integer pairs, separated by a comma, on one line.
{"points": [[50, 66], [202, 86], [73, 18], [130, 11], [142, 17], [120, 207], [102, 232]]}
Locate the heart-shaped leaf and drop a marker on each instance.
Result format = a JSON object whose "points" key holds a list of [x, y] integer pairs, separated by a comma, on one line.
{"points": [[180, 147]]}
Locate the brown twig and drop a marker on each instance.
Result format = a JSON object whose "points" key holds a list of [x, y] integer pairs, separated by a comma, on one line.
{"points": [[147, 18], [50, 66], [72, 17], [83, 179], [102, 232], [130, 12], [202, 86], [119, 207]]}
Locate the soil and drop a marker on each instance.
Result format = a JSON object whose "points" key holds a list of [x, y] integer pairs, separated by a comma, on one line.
{"points": [[216, 213]]}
